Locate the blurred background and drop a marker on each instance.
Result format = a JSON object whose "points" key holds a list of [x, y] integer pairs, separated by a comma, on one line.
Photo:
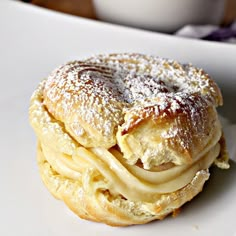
{"points": [[213, 20], [85, 8]]}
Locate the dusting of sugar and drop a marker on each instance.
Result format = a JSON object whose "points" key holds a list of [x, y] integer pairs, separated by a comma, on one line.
{"points": [[103, 88]]}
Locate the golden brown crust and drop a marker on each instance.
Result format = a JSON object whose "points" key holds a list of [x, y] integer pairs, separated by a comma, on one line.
{"points": [[126, 138], [78, 105]]}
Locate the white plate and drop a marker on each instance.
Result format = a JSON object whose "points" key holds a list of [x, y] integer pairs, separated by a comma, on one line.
{"points": [[32, 42]]}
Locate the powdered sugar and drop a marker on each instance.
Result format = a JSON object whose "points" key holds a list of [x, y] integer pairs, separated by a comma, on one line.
{"points": [[103, 88]]}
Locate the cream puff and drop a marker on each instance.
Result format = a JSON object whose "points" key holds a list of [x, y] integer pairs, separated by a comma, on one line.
{"points": [[127, 138]]}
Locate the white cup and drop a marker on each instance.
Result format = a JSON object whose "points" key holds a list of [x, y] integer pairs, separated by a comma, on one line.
{"points": [[160, 15]]}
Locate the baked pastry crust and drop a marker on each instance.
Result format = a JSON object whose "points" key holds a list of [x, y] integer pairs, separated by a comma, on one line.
{"points": [[127, 138]]}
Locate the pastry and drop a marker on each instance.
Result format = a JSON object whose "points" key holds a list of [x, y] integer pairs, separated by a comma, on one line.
{"points": [[127, 138]]}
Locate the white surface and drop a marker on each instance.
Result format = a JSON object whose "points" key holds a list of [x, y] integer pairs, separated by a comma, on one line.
{"points": [[162, 15], [32, 42]]}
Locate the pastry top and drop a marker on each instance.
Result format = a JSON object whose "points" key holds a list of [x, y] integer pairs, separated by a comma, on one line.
{"points": [[159, 112]]}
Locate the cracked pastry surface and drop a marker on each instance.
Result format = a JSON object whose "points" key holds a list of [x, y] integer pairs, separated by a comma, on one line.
{"points": [[127, 138]]}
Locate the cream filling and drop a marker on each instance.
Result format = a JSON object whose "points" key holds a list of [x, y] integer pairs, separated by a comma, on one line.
{"points": [[134, 185], [158, 177]]}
